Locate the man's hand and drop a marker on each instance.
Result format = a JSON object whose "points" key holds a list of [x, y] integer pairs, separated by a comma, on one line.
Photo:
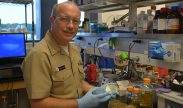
{"points": [[93, 98]]}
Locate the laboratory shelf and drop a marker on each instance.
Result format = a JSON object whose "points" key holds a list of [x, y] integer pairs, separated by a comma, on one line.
{"points": [[112, 5], [171, 37], [85, 34]]}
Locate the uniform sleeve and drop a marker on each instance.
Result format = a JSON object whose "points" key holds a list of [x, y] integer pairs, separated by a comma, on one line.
{"points": [[81, 70], [36, 72]]}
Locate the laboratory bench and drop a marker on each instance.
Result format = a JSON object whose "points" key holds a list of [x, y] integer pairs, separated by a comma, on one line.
{"points": [[13, 94], [170, 100], [12, 87]]}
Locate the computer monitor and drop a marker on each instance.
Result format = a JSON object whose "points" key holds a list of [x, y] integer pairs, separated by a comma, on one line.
{"points": [[12, 45]]}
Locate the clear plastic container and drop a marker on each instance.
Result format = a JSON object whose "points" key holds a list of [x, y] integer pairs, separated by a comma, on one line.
{"points": [[150, 18], [136, 97], [129, 94], [111, 88], [141, 22], [146, 100]]}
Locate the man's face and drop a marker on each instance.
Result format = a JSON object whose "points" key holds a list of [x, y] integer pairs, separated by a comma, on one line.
{"points": [[65, 25]]}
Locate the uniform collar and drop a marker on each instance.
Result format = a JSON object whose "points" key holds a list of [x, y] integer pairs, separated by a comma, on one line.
{"points": [[53, 46]]}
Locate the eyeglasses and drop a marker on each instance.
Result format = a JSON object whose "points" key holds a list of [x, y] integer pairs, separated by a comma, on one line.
{"points": [[67, 20]]}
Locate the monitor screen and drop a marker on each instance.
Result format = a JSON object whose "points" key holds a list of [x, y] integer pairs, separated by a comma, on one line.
{"points": [[12, 45]]}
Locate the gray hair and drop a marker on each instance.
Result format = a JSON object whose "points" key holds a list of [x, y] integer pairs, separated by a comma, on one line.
{"points": [[55, 9]]}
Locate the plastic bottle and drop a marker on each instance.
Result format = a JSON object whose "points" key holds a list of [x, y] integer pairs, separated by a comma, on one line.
{"points": [[146, 99], [136, 97], [160, 81], [129, 94], [145, 23], [153, 8], [154, 80], [144, 71], [155, 77], [150, 18], [167, 81], [163, 80], [155, 22], [149, 71], [91, 73], [181, 20], [162, 21], [93, 28], [141, 22], [86, 25], [173, 21]]}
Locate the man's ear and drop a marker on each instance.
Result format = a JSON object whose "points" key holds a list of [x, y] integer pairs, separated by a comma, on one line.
{"points": [[52, 19]]}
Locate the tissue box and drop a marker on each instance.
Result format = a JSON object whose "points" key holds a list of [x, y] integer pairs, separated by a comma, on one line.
{"points": [[167, 51], [172, 51], [155, 50]]}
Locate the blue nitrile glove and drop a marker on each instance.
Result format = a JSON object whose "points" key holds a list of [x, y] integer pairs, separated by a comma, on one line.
{"points": [[99, 90], [114, 95], [91, 99], [159, 52]]}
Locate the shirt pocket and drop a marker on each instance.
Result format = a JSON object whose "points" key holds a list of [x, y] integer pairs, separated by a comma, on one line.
{"points": [[61, 75], [62, 80]]}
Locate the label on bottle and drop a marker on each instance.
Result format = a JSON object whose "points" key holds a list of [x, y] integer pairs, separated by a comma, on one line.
{"points": [[161, 24], [145, 25], [155, 24], [150, 18], [172, 24]]}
